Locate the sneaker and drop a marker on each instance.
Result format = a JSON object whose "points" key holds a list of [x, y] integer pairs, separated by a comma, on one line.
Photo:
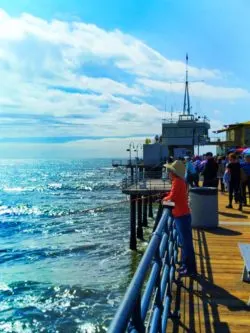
{"points": [[229, 206], [240, 208]]}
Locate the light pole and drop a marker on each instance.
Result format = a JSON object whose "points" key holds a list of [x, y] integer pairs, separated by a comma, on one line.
{"points": [[138, 146], [131, 145]]}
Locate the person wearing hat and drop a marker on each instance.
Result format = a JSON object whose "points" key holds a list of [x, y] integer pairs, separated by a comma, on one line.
{"points": [[182, 216], [191, 176]]}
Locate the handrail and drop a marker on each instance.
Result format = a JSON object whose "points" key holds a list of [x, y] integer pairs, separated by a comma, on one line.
{"points": [[145, 183], [127, 162], [161, 254]]}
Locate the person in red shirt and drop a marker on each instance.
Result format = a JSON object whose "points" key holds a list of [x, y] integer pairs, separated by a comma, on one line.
{"points": [[182, 216]]}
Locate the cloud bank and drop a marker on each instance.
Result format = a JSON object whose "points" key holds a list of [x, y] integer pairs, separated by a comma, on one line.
{"points": [[71, 78]]}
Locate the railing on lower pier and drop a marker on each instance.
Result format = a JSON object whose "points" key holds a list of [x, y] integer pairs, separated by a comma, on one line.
{"points": [[144, 183], [148, 310], [127, 162]]}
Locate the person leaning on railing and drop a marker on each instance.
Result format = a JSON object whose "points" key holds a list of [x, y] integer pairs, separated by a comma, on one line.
{"points": [[182, 216]]}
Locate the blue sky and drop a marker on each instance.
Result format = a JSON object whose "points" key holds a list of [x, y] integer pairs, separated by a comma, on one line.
{"points": [[85, 78]]}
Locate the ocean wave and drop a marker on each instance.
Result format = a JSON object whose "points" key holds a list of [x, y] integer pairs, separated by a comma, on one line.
{"points": [[18, 189], [35, 307], [55, 186], [34, 254], [75, 187], [91, 186], [24, 210], [20, 210]]}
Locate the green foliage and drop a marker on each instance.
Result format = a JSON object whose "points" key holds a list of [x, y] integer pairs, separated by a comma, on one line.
{"points": [[147, 141]]}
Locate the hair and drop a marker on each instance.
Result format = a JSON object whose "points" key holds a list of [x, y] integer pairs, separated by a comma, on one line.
{"points": [[209, 154], [170, 159], [233, 156]]}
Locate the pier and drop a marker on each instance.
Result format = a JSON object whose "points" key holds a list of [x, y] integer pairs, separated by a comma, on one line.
{"points": [[218, 300], [143, 193], [215, 301]]}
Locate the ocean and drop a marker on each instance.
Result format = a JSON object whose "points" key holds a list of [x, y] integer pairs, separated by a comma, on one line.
{"points": [[65, 265]]}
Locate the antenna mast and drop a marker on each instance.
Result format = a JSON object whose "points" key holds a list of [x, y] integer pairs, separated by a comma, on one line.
{"points": [[186, 104]]}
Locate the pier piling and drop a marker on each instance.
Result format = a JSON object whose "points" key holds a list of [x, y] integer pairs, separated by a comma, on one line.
{"points": [[145, 209], [150, 207], [139, 217], [132, 244]]}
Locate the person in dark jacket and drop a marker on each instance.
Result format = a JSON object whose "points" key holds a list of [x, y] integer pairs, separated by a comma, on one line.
{"points": [[210, 171], [234, 169], [221, 172]]}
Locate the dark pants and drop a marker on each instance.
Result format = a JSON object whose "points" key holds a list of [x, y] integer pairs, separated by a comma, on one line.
{"points": [[210, 182], [245, 186], [222, 185], [193, 179], [184, 230], [235, 192]]}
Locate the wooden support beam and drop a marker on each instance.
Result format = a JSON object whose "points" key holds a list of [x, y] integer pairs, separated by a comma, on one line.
{"points": [[132, 242], [145, 210], [139, 217], [150, 207]]}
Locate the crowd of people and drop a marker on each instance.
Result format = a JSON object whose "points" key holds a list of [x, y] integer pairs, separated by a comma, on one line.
{"points": [[231, 173]]}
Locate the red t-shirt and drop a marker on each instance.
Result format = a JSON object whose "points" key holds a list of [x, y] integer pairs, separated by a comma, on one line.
{"points": [[179, 196]]}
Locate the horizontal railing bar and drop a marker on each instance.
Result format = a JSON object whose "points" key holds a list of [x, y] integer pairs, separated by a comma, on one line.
{"points": [[155, 320], [163, 245], [149, 289], [164, 280], [165, 314]]}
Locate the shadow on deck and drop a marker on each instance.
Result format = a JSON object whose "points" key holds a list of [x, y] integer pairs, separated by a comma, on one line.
{"points": [[216, 301]]}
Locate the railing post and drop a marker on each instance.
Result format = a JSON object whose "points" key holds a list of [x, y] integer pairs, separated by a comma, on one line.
{"points": [[132, 173], [133, 310], [139, 217], [132, 222], [136, 320], [150, 207], [158, 299], [158, 216], [145, 209]]}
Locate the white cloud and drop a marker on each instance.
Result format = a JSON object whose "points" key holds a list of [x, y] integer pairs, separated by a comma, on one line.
{"points": [[197, 89], [79, 42], [109, 148], [39, 58]]}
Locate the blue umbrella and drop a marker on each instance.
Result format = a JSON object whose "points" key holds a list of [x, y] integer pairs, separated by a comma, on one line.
{"points": [[246, 151]]}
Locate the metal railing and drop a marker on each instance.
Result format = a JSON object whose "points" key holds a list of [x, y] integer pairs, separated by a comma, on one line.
{"points": [[126, 162], [147, 184], [148, 310]]}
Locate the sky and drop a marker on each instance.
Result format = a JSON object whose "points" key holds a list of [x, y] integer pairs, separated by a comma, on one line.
{"points": [[85, 78]]}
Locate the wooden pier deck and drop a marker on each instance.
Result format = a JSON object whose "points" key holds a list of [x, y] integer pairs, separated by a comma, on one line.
{"points": [[217, 301]]}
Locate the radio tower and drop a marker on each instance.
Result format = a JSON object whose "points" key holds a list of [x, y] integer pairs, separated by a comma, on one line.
{"points": [[186, 104]]}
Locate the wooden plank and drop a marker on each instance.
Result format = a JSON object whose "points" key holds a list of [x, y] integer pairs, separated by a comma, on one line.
{"points": [[227, 214], [216, 301]]}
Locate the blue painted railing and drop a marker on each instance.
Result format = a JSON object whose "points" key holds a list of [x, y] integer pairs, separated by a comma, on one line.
{"points": [[149, 308]]}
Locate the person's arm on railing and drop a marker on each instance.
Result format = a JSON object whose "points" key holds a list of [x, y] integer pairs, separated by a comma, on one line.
{"points": [[174, 192]]}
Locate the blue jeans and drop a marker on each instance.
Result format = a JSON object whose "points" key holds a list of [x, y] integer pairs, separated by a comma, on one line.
{"points": [[184, 230]]}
